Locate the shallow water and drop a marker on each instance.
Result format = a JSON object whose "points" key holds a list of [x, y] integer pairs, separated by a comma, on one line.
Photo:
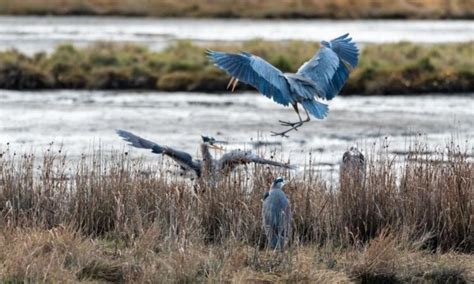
{"points": [[42, 33], [81, 120]]}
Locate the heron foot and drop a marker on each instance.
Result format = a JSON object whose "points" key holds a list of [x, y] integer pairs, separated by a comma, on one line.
{"points": [[282, 134], [294, 127], [290, 124]]}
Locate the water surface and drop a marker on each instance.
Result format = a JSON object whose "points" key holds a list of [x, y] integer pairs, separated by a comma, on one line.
{"points": [[81, 120], [42, 33]]}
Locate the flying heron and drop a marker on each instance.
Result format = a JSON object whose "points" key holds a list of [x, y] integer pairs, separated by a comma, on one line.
{"points": [[208, 165], [276, 215], [322, 77]]}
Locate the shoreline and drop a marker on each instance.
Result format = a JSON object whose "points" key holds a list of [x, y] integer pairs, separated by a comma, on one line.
{"points": [[385, 69]]}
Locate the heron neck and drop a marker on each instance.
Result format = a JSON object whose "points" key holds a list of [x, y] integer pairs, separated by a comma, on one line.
{"points": [[206, 155], [276, 188]]}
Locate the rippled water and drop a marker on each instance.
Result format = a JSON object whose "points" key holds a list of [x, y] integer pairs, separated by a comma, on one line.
{"points": [[32, 34], [80, 120]]}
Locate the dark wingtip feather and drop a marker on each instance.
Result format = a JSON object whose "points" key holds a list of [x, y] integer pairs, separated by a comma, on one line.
{"points": [[134, 140], [344, 36], [209, 52], [122, 133]]}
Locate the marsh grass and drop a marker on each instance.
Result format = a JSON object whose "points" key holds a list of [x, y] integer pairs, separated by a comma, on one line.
{"points": [[113, 218], [246, 8], [401, 68]]}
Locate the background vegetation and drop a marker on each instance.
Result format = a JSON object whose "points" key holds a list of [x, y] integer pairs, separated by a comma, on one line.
{"points": [[402, 68], [110, 218], [337, 9]]}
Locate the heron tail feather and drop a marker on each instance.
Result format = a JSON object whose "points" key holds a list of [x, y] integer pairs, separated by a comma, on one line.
{"points": [[315, 108]]}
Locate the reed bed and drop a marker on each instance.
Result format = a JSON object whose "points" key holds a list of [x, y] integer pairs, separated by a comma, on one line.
{"points": [[114, 218]]}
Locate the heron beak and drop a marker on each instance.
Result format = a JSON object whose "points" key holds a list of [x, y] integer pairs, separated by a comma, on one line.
{"points": [[216, 147]]}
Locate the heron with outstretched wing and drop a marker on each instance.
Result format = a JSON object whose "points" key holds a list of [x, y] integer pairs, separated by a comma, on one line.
{"points": [[208, 165], [320, 78], [182, 158]]}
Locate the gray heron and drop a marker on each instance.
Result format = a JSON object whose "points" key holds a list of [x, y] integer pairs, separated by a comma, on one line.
{"points": [[277, 217], [322, 77], [208, 165], [352, 170]]}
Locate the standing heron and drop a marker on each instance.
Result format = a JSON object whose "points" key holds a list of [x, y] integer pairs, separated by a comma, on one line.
{"points": [[323, 76], [276, 215], [208, 166], [353, 167]]}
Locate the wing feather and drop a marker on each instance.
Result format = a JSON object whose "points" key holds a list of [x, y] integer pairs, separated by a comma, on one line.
{"points": [[256, 72], [237, 157], [182, 158], [329, 68]]}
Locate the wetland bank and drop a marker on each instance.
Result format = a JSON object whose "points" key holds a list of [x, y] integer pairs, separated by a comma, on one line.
{"points": [[112, 218], [86, 208]]}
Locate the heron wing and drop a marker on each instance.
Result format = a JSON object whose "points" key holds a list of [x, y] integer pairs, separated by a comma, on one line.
{"points": [[182, 158], [256, 72], [346, 49], [238, 157], [329, 67]]}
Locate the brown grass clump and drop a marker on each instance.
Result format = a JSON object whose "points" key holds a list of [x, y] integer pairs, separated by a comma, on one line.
{"points": [[112, 218], [30, 255], [378, 261]]}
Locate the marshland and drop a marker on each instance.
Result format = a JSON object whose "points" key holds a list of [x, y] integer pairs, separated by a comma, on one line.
{"points": [[117, 218], [77, 204]]}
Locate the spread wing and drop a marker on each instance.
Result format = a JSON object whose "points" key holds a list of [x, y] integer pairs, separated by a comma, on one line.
{"points": [[182, 158], [256, 72], [238, 157], [329, 67]]}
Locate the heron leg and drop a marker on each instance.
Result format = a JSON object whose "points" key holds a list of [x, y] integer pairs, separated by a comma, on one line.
{"points": [[230, 82], [293, 126], [283, 133], [287, 123], [307, 116], [233, 82]]}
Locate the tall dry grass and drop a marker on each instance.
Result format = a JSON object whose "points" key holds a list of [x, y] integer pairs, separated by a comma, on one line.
{"points": [[113, 218], [427, 195]]}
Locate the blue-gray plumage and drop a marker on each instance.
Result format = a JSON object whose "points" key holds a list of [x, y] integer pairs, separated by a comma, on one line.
{"points": [[208, 165], [352, 170], [322, 77], [185, 160], [276, 215]]}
